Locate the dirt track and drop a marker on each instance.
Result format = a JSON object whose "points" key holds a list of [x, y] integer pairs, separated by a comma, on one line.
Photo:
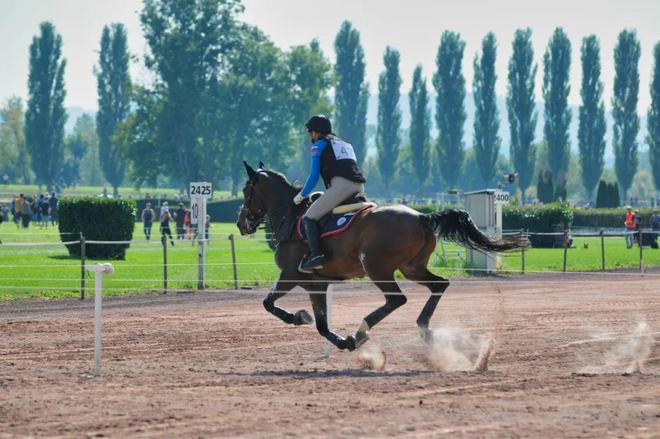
{"points": [[216, 364]]}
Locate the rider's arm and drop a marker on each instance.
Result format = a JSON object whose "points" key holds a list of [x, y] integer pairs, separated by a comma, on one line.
{"points": [[315, 168]]}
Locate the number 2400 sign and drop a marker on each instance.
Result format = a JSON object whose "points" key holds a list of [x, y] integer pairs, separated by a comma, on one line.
{"points": [[201, 189]]}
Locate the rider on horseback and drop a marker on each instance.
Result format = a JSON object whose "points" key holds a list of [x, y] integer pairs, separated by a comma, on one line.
{"points": [[334, 159]]}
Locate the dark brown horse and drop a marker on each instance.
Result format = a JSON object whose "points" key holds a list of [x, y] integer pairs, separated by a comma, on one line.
{"points": [[380, 241]]}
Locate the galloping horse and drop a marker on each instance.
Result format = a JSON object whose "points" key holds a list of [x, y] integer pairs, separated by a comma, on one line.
{"points": [[380, 241]]}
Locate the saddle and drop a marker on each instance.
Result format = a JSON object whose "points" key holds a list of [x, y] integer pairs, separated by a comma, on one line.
{"points": [[341, 217]]}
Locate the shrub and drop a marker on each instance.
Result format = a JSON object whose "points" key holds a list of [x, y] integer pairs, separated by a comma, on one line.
{"points": [[547, 218], [607, 195], [98, 219]]}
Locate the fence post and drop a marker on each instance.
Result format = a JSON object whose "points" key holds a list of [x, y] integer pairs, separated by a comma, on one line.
{"points": [[233, 260], [602, 249], [565, 247], [641, 252], [522, 236], [82, 266], [163, 240]]}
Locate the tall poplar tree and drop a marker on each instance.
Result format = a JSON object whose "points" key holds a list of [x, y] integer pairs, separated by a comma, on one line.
{"points": [[114, 95], [388, 137], [177, 117], [591, 130], [520, 107], [624, 108], [45, 116], [653, 119], [352, 92], [450, 114], [486, 119], [557, 115], [420, 126]]}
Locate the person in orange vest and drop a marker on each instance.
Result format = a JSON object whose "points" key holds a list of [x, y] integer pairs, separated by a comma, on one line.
{"points": [[630, 227]]}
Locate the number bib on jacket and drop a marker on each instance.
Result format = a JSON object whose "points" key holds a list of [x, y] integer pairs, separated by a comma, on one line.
{"points": [[343, 150]]}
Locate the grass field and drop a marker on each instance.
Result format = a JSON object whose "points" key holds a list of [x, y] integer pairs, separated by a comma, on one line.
{"points": [[50, 272]]}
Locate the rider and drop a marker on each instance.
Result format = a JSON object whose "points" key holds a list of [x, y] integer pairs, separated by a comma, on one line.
{"points": [[334, 159]]}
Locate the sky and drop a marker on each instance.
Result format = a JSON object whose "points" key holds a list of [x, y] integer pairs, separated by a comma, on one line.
{"points": [[413, 27]]}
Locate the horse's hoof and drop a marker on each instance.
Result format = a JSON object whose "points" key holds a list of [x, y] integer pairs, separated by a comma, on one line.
{"points": [[426, 334], [302, 317], [350, 343], [361, 338]]}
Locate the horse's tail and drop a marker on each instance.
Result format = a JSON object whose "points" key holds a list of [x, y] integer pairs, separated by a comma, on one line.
{"points": [[457, 226]]}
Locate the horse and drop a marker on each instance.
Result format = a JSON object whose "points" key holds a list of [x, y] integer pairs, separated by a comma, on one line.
{"points": [[380, 241]]}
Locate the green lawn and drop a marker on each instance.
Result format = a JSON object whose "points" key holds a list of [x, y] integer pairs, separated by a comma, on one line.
{"points": [[50, 272]]}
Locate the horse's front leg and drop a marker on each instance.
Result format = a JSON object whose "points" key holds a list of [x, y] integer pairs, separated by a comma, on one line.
{"points": [[318, 297], [283, 285]]}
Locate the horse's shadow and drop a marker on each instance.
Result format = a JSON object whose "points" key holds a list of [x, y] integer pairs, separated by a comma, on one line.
{"points": [[315, 373]]}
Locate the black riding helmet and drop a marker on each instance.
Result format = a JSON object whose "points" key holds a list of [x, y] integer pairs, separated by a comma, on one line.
{"points": [[319, 123]]}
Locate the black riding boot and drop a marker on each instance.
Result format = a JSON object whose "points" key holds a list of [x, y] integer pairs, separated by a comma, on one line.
{"points": [[316, 258]]}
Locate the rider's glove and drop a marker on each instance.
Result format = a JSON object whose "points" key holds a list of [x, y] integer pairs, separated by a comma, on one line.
{"points": [[298, 198]]}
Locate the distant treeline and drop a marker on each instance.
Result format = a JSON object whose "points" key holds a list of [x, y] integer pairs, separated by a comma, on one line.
{"points": [[222, 92]]}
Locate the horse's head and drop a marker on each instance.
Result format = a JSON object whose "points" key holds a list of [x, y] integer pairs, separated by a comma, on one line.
{"points": [[253, 210]]}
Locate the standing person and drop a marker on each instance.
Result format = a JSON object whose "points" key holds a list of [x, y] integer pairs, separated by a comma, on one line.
{"points": [[188, 226], [207, 226], [15, 211], [179, 218], [637, 226], [165, 218], [630, 226], [654, 222], [53, 208], [335, 161], [44, 207], [147, 220], [26, 213]]}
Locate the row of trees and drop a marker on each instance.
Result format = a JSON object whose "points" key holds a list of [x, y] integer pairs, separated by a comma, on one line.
{"points": [[222, 92]]}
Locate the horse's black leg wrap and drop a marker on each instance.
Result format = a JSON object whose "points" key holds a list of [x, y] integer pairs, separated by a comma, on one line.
{"points": [[282, 314]]}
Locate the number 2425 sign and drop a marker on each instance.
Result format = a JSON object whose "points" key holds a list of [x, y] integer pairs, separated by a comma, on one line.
{"points": [[201, 189]]}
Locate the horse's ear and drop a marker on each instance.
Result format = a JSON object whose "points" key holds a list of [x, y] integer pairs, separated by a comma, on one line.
{"points": [[250, 172], [261, 165]]}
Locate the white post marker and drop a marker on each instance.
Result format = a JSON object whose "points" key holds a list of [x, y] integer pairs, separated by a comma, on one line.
{"points": [[327, 347], [501, 198], [99, 270], [200, 192]]}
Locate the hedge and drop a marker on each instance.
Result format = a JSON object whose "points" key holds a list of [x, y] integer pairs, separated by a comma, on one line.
{"points": [[544, 218], [98, 219]]}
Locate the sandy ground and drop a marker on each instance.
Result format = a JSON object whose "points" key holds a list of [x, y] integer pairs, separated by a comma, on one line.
{"points": [[216, 364]]}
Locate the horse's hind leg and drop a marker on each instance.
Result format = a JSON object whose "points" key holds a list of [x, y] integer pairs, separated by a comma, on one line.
{"points": [[437, 284]]}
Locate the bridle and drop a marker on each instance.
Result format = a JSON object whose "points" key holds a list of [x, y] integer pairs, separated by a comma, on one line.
{"points": [[257, 218]]}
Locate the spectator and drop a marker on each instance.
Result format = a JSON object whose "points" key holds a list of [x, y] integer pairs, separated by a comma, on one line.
{"points": [[637, 226], [179, 218], [186, 222], [654, 222], [44, 207], [164, 208], [630, 226], [147, 220], [26, 213], [207, 225], [53, 208], [15, 211], [165, 225]]}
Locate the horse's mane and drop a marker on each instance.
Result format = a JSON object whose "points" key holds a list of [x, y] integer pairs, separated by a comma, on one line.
{"points": [[281, 178]]}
